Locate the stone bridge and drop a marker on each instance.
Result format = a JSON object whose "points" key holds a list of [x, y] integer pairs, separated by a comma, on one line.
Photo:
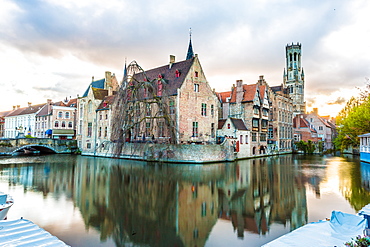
{"points": [[44, 145]]}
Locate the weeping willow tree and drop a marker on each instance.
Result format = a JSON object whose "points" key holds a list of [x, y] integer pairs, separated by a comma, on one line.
{"points": [[143, 112], [354, 120]]}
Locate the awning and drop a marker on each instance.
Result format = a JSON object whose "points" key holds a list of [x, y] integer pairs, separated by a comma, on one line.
{"points": [[49, 132], [63, 132]]}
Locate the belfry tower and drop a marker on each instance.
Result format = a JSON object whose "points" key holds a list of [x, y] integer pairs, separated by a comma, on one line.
{"points": [[294, 77]]}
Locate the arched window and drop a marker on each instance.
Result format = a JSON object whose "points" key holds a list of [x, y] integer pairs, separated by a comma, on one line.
{"points": [[56, 124], [63, 124], [89, 107], [70, 125], [67, 115], [60, 114]]}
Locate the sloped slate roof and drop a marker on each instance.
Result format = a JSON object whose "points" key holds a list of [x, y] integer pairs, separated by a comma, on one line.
{"points": [[221, 123], [26, 110], [95, 84], [169, 75], [4, 113], [106, 102], [99, 93], [238, 124]]}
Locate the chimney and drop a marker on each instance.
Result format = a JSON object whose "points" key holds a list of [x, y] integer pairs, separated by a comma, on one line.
{"points": [[172, 61], [316, 111], [14, 107], [49, 105], [239, 91], [29, 104], [92, 78], [18, 106]]}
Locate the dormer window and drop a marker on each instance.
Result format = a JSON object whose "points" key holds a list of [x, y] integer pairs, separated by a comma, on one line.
{"points": [[177, 72]]}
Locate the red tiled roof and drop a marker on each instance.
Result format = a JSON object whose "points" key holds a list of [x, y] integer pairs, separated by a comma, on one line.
{"points": [[248, 95], [223, 96]]}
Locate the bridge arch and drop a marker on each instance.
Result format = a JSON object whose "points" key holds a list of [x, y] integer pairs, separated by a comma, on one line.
{"points": [[39, 147]]}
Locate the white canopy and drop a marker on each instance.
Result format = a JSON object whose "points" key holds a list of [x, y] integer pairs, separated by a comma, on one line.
{"points": [[25, 233], [341, 228]]}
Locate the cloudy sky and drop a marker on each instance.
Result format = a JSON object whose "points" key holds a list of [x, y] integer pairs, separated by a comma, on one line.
{"points": [[52, 48]]}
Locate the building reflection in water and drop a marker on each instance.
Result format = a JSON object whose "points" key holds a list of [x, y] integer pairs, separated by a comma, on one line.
{"points": [[173, 205]]}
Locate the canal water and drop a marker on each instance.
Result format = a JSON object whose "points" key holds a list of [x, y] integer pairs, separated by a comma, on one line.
{"points": [[87, 201]]}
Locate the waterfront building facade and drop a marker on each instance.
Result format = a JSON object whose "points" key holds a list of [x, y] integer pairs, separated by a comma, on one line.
{"points": [[184, 102], [21, 121], [57, 120], [325, 129], [280, 135], [235, 131], [250, 103], [88, 117]]}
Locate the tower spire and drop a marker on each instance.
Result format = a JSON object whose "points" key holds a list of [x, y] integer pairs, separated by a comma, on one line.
{"points": [[190, 49]]}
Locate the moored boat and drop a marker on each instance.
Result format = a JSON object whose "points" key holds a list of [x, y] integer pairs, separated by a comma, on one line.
{"points": [[6, 201], [365, 147]]}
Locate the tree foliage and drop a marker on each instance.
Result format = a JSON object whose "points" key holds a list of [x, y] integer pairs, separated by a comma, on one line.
{"points": [[307, 147], [352, 121]]}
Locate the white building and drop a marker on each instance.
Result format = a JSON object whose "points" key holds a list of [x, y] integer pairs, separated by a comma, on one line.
{"points": [[21, 121], [235, 131]]}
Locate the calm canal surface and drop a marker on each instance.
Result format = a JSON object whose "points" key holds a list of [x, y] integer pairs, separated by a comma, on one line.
{"points": [[87, 201]]}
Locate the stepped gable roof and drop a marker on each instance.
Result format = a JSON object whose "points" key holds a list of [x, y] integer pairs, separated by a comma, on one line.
{"points": [[223, 96], [169, 75], [106, 102], [238, 124], [95, 84], [221, 123], [249, 93], [262, 91]]}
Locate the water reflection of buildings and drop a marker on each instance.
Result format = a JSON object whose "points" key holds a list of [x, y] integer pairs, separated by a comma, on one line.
{"points": [[263, 191], [48, 178], [167, 205]]}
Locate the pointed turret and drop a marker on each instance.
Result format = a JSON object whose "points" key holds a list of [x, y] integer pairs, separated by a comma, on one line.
{"points": [[124, 79], [190, 49]]}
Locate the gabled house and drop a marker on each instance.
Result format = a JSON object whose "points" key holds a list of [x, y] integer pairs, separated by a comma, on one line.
{"points": [[2, 123], [88, 117], [280, 136], [22, 121], [250, 103], [326, 130], [57, 120], [235, 131], [303, 130], [178, 107]]}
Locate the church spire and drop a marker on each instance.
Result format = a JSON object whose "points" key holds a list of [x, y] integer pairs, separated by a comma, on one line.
{"points": [[190, 49]]}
